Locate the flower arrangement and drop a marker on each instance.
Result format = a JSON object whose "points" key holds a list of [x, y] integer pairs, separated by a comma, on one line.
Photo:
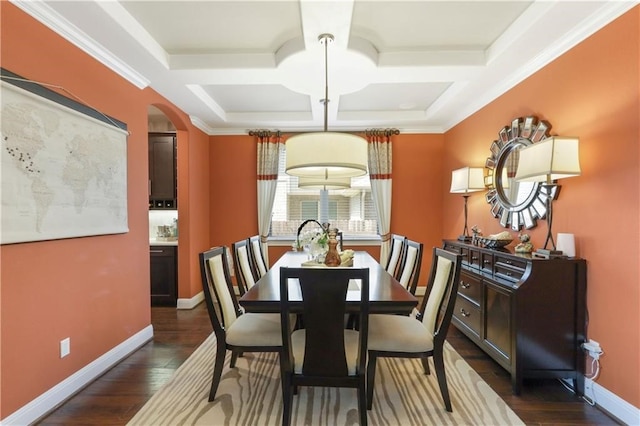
{"points": [[315, 237]]}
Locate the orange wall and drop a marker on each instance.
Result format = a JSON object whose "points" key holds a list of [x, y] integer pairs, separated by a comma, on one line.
{"points": [[416, 162], [591, 92], [94, 290]]}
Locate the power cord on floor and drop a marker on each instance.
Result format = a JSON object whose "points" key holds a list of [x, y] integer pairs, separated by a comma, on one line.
{"points": [[595, 371]]}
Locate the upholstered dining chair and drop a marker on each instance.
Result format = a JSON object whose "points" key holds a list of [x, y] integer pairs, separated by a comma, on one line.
{"points": [[395, 254], [324, 353], [400, 336], [257, 256], [235, 331], [410, 263], [246, 275]]}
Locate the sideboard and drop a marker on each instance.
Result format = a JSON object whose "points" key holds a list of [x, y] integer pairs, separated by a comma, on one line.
{"points": [[527, 313]]}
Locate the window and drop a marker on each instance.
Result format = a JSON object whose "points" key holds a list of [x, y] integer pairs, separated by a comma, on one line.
{"points": [[350, 210]]}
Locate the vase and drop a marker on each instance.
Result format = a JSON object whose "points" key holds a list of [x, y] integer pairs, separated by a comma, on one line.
{"points": [[332, 258]]}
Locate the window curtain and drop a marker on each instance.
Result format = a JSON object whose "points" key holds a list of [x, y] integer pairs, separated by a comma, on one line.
{"points": [[269, 145], [379, 151]]}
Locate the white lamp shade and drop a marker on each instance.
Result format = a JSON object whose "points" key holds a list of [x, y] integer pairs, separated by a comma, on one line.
{"points": [[550, 159], [467, 179], [566, 244], [326, 154], [320, 182]]}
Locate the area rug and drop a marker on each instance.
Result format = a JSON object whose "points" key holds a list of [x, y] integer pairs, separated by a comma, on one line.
{"points": [[250, 394]]}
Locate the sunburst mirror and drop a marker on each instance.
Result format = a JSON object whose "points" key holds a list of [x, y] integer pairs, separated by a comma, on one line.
{"points": [[516, 205]]}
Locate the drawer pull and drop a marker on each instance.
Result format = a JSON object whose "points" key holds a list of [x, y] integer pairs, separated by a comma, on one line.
{"points": [[156, 251], [474, 257], [486, 262], [464, 313], [509, 262], [464, 285]]}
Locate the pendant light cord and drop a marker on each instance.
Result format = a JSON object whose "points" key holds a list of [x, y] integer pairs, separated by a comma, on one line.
{"points": [[326, 38]]}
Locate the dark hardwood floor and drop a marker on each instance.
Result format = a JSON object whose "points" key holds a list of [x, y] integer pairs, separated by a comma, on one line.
{"points": [[117, 395]]}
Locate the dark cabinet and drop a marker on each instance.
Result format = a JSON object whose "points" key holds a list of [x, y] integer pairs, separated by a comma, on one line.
{"points": [[527, 313], [164, 283], [162, 171]]}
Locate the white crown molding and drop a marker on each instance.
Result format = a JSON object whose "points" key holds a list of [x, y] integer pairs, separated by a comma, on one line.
{"points": [[596, 21], [39, 407], [42, 12], [200, 124]]}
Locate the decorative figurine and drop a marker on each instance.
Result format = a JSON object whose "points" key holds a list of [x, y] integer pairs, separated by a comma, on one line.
{"points": [[525, 245], [477, 233]]}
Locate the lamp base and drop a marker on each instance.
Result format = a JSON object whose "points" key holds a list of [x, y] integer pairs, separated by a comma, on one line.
{"points": [[465, 238], [548, 254]]}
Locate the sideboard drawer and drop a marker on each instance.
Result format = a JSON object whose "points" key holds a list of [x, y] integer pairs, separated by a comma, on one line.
{"points": [[470, 287], [486, 261], [474, 258], [468, 314], [511, 261], [509, 268], [453, 248]]}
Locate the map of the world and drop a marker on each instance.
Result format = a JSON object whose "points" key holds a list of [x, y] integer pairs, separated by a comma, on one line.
{"points": [[64, 174]]}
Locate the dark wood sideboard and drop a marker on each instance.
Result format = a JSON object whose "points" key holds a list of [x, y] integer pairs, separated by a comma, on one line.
{"points": [[527, 313]]}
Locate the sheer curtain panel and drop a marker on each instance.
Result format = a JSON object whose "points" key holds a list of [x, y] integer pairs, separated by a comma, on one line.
{"points": [[269, 145], [380, 176]]}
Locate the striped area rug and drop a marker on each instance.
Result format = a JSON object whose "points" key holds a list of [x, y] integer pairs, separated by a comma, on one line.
{"points": [[250, 394]]}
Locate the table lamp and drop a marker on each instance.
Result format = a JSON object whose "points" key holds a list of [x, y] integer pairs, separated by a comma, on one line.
{"points": [[465, 181], [547, 161]]}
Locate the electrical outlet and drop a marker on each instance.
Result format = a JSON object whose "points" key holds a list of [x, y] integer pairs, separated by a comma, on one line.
{"points": [[65, 347]]}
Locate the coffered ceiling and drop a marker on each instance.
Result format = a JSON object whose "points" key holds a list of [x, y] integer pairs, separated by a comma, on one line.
{"points": [[419, 66]]}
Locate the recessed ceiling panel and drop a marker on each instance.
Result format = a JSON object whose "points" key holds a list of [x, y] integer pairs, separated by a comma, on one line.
{"points": [[392, 97], [258, 98], [218, 26], [393, 25], [422, 65]]}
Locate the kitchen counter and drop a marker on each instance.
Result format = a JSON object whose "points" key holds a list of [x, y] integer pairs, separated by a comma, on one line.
{"points": [[162, 242]]}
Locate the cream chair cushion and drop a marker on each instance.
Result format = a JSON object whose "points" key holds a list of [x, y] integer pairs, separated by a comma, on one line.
{"points": [[229, 313], [350, 345], [243, 258], [407, 268], [257, 253], [439, 286], [254, 329], [398, 333], [396, 248]]}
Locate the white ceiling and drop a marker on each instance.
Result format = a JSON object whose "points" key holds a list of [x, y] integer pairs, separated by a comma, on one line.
{"points": [[418, 66]]}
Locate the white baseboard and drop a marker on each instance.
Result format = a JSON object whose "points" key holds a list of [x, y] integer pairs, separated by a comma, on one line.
{"points": [[612, 403], [191, 303], [49, 400]]}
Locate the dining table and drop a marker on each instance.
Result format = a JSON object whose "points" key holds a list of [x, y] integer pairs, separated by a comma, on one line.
{"points": [[386, 294]]}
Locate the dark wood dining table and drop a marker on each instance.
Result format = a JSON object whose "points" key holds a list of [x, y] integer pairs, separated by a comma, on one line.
{"points": [[386, 294]]}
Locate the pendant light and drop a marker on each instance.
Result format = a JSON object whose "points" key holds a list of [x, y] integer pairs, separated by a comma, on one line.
{"points": [[321, 182], [328, 155]]}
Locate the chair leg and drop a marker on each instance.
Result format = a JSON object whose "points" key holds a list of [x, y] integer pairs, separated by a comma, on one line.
{"points": [[221, 352], [287, 400], [371, 375], [362, 401], [438, 361], [425, 365], [234, 358]]}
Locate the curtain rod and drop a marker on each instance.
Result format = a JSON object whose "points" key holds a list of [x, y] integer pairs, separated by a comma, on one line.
{"points": [[278, 133]]}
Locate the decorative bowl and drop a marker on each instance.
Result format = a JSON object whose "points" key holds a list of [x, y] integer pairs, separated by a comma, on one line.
{"points": [[494, 243]]}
